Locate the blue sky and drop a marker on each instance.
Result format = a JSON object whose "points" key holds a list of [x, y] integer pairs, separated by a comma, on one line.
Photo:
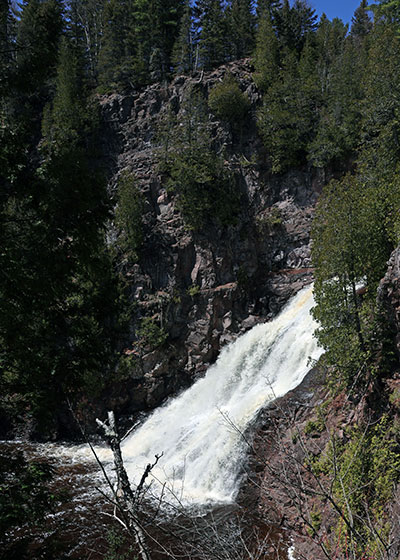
{"points": [[343, 9]]}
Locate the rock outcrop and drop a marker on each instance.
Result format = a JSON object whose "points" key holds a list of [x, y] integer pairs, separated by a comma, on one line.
{"points": [[204, 288], [295, 431]]}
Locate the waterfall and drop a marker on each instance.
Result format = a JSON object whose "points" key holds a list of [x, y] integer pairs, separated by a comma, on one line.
{"points": [[199, 432]]}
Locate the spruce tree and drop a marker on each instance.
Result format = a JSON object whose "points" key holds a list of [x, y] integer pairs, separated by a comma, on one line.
{"points": [[213, 35], [155, 30], [338, 243], [266, 55], [338, 133], [387, 11], [361, 23], [283, 22], [240, 28], [53, 325], [330, 37], [284, 121], [380, 128], [295, 23], [183, 55], [309, 96], [304, 22], [115, 65], [267, 6], [206, 191], [39, 32], [85, 19], [139, 37]]}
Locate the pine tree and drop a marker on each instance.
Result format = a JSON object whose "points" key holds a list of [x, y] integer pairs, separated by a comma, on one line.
{"points": [[64, 118], [283, 22], [350, 244], [139, 36], [205, 190], [155, 30], [387, 11], [309, 97], [338, 241], [304, 22], [240, 28], [295, 23], [69, 127]]}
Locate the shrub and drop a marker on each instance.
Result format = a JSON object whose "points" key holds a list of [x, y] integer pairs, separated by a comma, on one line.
{"points": [[128, 215], [204, 187], [228, 102], [193, 290], [151, 334]]}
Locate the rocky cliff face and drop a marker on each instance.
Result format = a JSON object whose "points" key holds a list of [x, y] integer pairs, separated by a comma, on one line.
{"points": [[204, 288], [285, 485]]}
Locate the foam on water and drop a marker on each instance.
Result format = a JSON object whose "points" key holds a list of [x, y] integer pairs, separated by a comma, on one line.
{"points": [[199, 432]]}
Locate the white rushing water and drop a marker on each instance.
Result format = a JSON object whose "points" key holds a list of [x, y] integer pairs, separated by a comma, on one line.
{"points": [[198, 432]]}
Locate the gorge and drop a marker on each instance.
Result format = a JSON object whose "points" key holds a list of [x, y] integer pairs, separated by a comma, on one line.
{"points": [[174, 176]]}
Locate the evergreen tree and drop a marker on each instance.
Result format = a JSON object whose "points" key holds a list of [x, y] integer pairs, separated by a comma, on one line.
{"points": [[361, 23], [183, 56], [57, 290], [350, 244], [228, 102], [7, 47], [63, 122], [286, 117], [338, 132], [295, 23], [240, 28], [164, 18], [213, 37], [139, 36], [267, 6], [39, 32], [266, 55], [337, 254], [206, 191], [85, 18], [115, 66], [284, 24], [303, 23], [387, 11], [330, 37], [380, 129], [309, 93]]}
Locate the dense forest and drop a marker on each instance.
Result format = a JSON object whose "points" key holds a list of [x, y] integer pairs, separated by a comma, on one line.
{"points": [[329, 104]]}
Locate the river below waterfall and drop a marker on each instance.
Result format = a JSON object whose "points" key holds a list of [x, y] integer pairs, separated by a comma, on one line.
{"points": [[199, 436]]}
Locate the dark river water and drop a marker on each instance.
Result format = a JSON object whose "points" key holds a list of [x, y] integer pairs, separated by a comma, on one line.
{"points": [[82, 527]]}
